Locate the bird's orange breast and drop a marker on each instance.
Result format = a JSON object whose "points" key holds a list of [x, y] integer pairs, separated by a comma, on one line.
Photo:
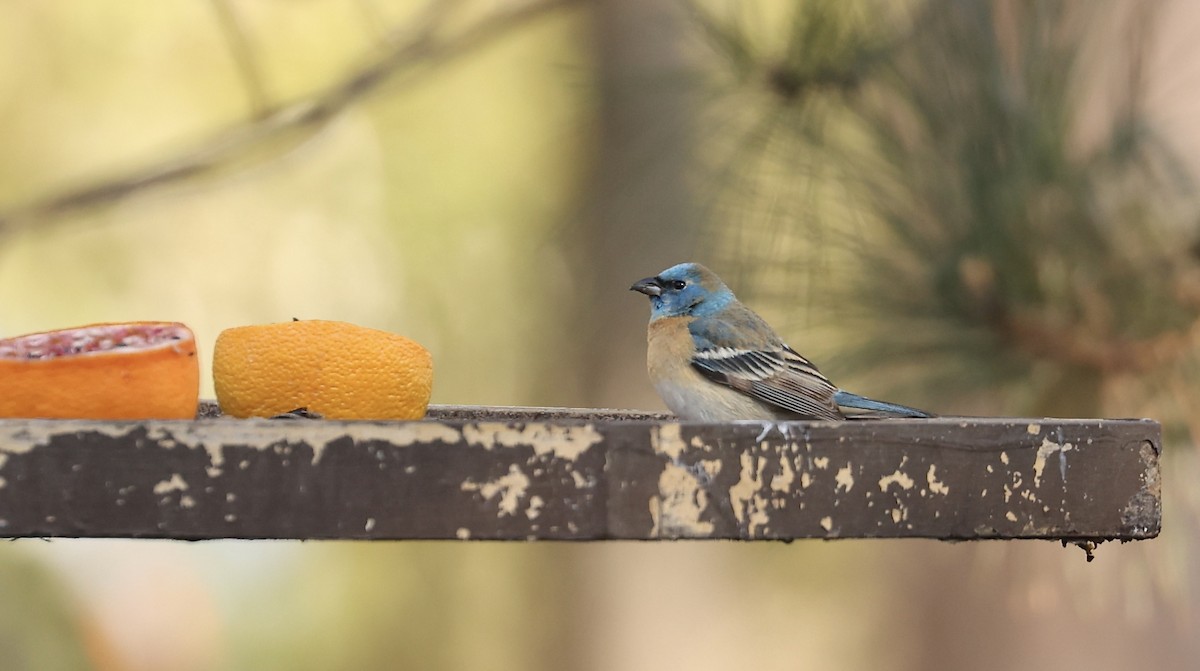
{"points": [[669, 348]]}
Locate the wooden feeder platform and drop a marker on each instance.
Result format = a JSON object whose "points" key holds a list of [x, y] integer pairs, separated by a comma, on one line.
{"points": [[488, 473]]}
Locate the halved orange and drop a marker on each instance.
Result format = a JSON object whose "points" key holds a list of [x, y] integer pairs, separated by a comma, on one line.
{"points": [[135, 370], [336, 369]]}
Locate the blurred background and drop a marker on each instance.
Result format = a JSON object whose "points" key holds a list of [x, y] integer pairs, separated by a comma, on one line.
{"points": [[982, 207]]}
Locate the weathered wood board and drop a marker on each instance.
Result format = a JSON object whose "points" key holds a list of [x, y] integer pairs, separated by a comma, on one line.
{"points": [[539, 473]]}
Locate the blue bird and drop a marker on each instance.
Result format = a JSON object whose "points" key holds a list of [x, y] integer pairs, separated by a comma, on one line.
{"points": [[713, 359]]}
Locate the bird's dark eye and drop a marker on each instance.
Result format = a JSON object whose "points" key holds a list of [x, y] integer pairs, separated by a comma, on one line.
{"points": [[677, 285]]}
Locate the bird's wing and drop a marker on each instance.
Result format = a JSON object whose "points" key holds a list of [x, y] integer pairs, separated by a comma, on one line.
{"points": [[777, 376]]}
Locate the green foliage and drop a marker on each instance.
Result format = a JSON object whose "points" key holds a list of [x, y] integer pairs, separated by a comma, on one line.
{"points": [[1000, 234]]}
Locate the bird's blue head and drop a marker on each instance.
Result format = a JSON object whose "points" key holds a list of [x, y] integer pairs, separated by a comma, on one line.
{"points": [[688, 289]]}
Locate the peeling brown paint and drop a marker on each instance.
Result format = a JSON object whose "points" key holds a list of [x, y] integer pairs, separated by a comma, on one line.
{"points": [[678, 509], [1047, 449], [174, 484], [899, 478], [507, 490], [936, 486], [845, 478], [667, 440], [1144, 509], [749, 505], [582, 476], [565, 442], [787, 475]]}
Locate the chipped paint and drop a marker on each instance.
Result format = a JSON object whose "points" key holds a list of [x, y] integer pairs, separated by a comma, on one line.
{"points": [[844, 479], [711, 467], [510, 488], [535, 507], [1143, 511], [762, 496], [936, 486], [162, 436], [12, 448], [677, 509], [21, 436], [173, 484], [668, 440], [899, 478], [787, 475], [285, 437], [216, 458], [423, 433], [749, 506], [561, 441], [1048, 448], [260, 434], [265, 434], [462, 533]]}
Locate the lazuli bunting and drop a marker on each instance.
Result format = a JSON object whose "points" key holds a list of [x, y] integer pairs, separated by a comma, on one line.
{"points": [[713, 359]]}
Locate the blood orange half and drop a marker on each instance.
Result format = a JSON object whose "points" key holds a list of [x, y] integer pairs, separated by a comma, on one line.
{"points": [[136, 370]]}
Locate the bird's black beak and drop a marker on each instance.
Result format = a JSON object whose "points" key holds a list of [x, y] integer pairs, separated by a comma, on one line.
{"points": [[648, 286]]}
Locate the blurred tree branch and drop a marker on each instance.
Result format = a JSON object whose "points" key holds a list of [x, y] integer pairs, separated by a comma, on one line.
{"points": [[243, 56], [409, 51]]}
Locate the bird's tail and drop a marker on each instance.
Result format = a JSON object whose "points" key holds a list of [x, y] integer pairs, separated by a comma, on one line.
{"points": [[854, 406]]}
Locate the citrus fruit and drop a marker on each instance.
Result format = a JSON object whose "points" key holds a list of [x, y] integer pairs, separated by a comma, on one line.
{"points": [[335, 369], [136, 370]]}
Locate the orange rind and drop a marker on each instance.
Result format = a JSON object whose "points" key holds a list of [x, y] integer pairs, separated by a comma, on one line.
{"points": [[334, 369]]}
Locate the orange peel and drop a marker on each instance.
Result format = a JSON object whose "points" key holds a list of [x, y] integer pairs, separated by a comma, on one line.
{"points": [[336, 369]]}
